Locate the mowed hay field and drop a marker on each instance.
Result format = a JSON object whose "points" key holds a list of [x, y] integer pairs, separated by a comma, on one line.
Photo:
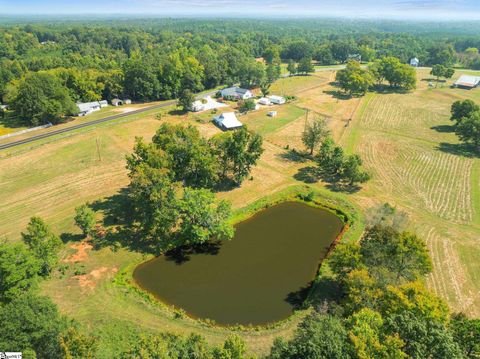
{"points": [[417, 163], [404, 139]]}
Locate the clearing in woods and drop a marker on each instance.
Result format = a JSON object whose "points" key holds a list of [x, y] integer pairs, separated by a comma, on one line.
{"points": [[406, 142]]}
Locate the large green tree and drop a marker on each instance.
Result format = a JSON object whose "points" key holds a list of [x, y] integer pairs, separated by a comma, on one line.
{"points": [[19, 270], [43, 243], [468, 130], [318, 336], [36, 326], [314, 133], [201, 219], [190, 157], [85, 219], [353, 79], [394, 256], [466, 333], [238, 152], [463, 109], [41, 99]]}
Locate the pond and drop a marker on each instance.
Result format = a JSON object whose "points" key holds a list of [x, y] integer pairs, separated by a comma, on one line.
{"points": [[255, 277]]}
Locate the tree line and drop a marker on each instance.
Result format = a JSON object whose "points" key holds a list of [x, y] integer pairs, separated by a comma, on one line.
{"points": [[93, 61]]}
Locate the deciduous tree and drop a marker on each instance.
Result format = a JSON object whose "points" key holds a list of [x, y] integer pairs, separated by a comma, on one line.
{"points": [[43, 243], [85, 219], [314, 133], [41, 99]]}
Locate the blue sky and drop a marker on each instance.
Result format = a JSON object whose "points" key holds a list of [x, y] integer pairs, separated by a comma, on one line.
{"points": [[405, 9]]}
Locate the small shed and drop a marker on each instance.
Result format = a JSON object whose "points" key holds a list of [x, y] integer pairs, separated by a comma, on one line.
{"points": [[272, 114], [414, 62], [468, 82], [127, 101], [117, 102], [103, 103], [227, 121]]}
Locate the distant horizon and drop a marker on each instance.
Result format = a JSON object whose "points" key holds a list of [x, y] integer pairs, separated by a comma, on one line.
{"points": [[404, 10]]}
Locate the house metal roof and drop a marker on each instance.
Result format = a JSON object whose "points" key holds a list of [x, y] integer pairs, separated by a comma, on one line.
{"points": [[228, 120], [468, 81]]}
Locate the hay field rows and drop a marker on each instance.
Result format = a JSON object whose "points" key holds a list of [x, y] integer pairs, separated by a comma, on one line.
{"points": [[408, 144]]}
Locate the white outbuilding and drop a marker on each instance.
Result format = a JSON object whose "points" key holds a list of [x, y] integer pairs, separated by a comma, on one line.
{"points": [[272, 114], [414, 62], [227, 121], [468, 82], [87, 108], [277, 100]]}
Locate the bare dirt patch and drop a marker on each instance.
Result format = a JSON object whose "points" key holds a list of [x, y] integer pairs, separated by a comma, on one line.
{"points": [[90, 280], [81, 255]]}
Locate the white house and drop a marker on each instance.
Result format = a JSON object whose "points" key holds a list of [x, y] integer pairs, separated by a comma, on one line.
{"points": [[236, 93], [277, 100], [468, 82], [227, 121], [264, 101], [88, 107], [414, 62]]}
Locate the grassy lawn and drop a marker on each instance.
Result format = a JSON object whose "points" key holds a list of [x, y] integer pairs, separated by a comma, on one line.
{"points": [[259, 122], [405, 142]]}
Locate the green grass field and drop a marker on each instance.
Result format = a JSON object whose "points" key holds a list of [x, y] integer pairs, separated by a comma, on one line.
{"points": [[405, 141]]}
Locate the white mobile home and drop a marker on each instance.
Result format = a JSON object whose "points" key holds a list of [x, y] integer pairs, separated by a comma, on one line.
{"points": [[264, 101], [277, 100], [87, 108]]}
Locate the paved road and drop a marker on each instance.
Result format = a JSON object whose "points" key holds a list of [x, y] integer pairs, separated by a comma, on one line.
{"points": [[82, 125], [95, 122]]}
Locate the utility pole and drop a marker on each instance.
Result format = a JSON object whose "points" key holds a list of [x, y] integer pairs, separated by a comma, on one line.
{"points": [[98, 150], [306, 120]]}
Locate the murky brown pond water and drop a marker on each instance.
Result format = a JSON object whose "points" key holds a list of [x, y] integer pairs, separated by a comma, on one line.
{"points": [[250, 279]]}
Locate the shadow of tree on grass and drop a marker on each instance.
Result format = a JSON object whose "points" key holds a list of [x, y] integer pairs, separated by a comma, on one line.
{"points": [[443, 128], [294, 156], [309, 174], [312, 174], [459, 149]]}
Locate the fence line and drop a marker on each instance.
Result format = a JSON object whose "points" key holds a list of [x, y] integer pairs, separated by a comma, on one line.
{"points": [[8, 135]]}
